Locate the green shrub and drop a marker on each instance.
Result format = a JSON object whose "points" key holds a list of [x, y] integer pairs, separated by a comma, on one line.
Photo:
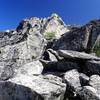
{"points": [[97, 49], [49, 35]]}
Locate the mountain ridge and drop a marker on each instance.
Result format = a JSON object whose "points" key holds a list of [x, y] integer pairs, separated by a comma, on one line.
{"points": [[45, 59]]}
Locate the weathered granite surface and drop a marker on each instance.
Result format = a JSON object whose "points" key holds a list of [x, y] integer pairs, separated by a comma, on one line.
{"points": [[45, 59]]}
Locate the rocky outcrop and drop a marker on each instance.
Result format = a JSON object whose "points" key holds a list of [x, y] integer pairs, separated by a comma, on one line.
{"points": [[54, 25], [76, 39], [93, 67], [32, 68], [81, 38], [45, 59], [76, 55], [25, 87], [48, 89], [95, 82], [72, 80], [89, 93]]}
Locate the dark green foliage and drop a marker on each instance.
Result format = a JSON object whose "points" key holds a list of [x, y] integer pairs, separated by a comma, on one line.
{"points": [[97, 49]]}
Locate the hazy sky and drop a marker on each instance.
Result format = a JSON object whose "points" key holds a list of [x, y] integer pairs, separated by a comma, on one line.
{"points": [[71, 11]]}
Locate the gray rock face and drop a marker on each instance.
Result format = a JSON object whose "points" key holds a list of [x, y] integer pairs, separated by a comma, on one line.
{"points": [[14, 56], [36, 44], [92, 67], [96, 48], [89, 93], [66, 65], [50, 56], [39, 62], [11, 68], [72, 79], [76, 55], [31, 45], [48, 89], [54, 24], [73, 83], [94, 29], [55, 53], [19, 47], [76, 39], [60, 66], [32, 68], [84, 79], [12, 37], [95, 82], [12, 91], [82, 38]]}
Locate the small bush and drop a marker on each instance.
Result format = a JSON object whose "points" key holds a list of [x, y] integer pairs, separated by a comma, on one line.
{"points": [[50, 35], [97, 49]]}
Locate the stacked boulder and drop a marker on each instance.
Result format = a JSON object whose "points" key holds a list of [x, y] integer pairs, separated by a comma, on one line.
{"points": [[45, 59]]}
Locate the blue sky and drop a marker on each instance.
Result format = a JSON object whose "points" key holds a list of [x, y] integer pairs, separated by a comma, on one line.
{"points": [[71, 11]]}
